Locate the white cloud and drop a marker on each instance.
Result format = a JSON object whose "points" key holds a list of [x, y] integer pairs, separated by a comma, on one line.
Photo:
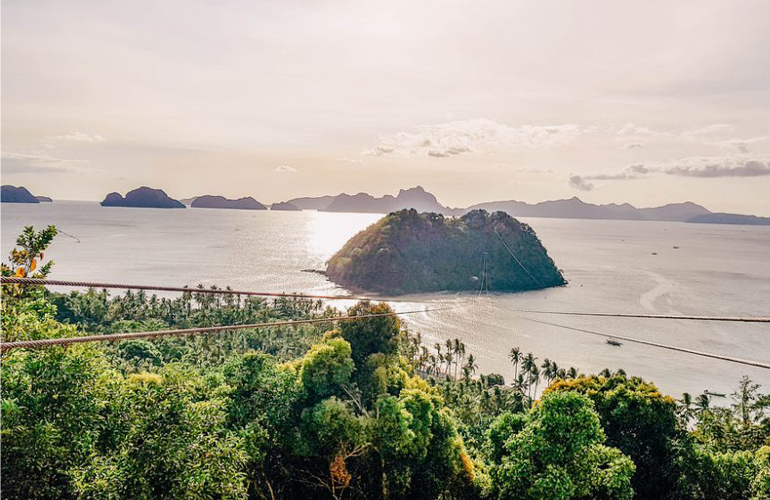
{"points": [[720, 166], [696, 166], [740, 145], [285, 169], [79, 137], [355, 161], [38, 163], [633, 145], [580, 183], [709, 129], [55, 140], [465, 136]]}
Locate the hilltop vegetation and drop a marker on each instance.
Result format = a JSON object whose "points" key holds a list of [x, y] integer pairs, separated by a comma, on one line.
{"points": [[361, 411], [408, 252]]}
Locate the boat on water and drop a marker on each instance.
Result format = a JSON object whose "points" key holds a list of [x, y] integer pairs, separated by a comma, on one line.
{"points": [[712, 393], [614, 342]]}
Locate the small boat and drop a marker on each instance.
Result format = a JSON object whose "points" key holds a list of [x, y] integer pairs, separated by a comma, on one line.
{"points": [[712, 393], [676, 248], [654, 253], [614, 342]]}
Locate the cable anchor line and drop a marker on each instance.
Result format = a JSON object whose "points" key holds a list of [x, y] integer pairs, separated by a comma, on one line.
{"points": [[115, 337], [704, 354], [11, 280], [741, 319]]}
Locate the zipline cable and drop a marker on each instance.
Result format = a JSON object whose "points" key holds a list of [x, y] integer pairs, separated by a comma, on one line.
{"points": [[223, 291], [41, 343], [517, 259], [743, 319], [655, 344]]}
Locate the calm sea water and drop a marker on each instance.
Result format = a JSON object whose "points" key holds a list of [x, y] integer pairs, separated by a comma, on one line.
{"points": [[716, 270]]}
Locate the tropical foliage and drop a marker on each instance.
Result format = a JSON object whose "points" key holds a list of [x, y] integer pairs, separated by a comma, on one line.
{"points": [[361, 411]]}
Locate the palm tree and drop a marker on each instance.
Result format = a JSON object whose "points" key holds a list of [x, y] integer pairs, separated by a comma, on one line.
{"points": [[702, 402], [520, 383], [515, 356], [548, 371], [460, 353], [685, 407], [572, 372], [534, 377], [470, 366], [529, 362], [554, 372]]}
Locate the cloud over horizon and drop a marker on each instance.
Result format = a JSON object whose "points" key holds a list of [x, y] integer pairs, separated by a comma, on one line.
{"points": [[466, 136], [697, 166], [38, 163]]}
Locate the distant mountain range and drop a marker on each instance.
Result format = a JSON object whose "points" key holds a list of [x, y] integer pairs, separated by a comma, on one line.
{"points": [[573, 208], [416, 198]]}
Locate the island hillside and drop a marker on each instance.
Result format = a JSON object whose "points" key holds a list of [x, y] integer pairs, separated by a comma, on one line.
{"points": [[13, 194], [143, 197], [44, 199], [286, 206], [209, 201], [411, 252]]}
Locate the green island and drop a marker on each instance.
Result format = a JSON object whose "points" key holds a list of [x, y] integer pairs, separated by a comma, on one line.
{"points": [[411, 252], [360, 410]]}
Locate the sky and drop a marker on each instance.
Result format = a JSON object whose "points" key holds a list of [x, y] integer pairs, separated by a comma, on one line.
{"points": [[642, 102]]}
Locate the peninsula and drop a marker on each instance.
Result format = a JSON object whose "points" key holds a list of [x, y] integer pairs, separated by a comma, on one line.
{"points": [[721, 218], [411, 252], [143, 197]]}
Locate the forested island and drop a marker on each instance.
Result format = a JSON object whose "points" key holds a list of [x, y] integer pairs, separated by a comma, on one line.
{"points": [[14, 194], [411, 252], [360, 409], [143, 197], [211, 201]]}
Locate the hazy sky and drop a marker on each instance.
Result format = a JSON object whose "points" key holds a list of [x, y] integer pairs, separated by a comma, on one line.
{"points": [[642, 102]]}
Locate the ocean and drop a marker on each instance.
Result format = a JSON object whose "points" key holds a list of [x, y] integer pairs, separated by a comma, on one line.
{"points": [[611, 266]]}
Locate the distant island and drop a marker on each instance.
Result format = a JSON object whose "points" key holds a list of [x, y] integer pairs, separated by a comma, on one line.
{"points": [[210, 201], [399, 254], [44, 199], [143, 197], [286, 206], [13, 194], [720, 218], [573, 208]]}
